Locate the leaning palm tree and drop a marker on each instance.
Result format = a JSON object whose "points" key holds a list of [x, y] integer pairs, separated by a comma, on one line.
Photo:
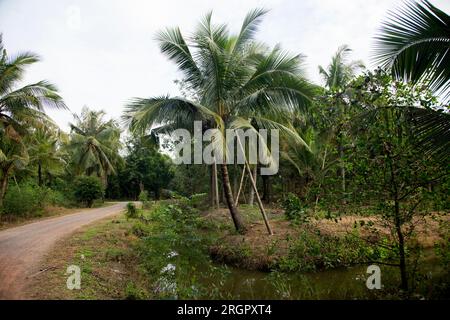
{"points": [[414, 45], [94, 144], [237, 80]]}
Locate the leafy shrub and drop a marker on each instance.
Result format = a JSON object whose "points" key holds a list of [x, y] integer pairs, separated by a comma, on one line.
{"points": [[133, 292], [171, 247], [313, 251], [24, 200], [87, 189], [59, 199], [144, 198], [294, 209], [132, 211], [199, 201]]}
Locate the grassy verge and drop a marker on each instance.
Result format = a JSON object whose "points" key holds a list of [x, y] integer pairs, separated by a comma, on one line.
{"points": [[109, 265]]}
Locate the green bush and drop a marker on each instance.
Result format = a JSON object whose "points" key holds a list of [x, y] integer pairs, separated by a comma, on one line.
{"points": [[59, 199], [199, 201], [144, 198], [294, 209], [132, 211], [24, 200], [87, 189]]}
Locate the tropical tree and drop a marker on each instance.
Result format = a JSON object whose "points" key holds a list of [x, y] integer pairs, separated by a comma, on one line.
{"points": [[414, 45], [388, 169], [337, 76], [23, 104], [94, 144], [46, 152], [238, 81], [340, 71], [13, 155], [146, 169], [21, 108]]}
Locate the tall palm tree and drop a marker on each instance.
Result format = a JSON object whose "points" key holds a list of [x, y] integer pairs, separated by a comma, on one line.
{"points": [[337, 76], [21, 108], [414, 45], [94, 144], [238, 82]]}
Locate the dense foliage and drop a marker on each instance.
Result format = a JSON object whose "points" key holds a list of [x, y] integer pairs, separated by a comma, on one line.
{"points": [[87, 189]]}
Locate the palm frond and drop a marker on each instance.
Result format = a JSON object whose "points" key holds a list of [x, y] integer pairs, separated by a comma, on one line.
{"points": [[414, 43], [172, 44], [431, 130], [249, 27], [142, 114]]}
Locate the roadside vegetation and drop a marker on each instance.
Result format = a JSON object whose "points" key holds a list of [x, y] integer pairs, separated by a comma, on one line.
{"points": [[363, 171], [174, 251]]}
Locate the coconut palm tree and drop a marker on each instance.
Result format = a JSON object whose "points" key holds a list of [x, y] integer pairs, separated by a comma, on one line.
{"points": [[414, 45], [340, 71], [337, 76], [94, 144], [45, 151], [23, 104], [238, 82]]}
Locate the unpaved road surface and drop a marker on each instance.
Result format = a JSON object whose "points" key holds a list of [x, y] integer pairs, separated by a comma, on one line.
{"points": [[22, 248]]}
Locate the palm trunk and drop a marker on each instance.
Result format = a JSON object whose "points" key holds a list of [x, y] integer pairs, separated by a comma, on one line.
{"points": [[39, 174], [3, 184], [266, 189], [237, 220]]}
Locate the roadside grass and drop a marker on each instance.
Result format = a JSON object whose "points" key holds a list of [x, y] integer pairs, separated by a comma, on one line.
{"points": [[109, 266]]}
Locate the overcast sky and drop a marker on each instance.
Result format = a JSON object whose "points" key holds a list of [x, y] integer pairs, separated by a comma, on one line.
{"points": [[100, 53]]}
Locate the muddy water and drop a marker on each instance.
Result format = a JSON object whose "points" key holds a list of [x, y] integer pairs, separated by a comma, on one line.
{"points": [[214, 281], [341, 283]]}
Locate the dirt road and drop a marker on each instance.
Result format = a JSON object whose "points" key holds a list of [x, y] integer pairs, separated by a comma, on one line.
{"points": [[22, 248]]}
